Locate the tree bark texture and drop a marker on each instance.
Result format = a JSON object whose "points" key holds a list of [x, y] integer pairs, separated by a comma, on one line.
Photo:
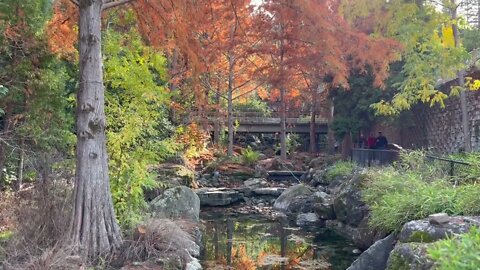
{"points": [[283, 124], [313, 145], [216, 124], [94, 229], [463, 96], [330, 133], [230, 106]]}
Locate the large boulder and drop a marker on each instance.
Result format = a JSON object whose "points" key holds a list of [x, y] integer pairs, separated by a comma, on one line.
{"points": [[348, 205], [409, 256], [253, 183], [218, 196], [424, 231], [324, 210], [269, 191], [293, 199], [177, 203], [309, 221], [362, 236], [351, 213], [274, 164], [376, 256]]}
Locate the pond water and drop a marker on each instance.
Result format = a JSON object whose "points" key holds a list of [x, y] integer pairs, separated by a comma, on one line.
{"points": [[249, 242]]}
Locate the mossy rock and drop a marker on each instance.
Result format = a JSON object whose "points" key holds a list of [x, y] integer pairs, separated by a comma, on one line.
{"points": [[410, 256], [420, 237]]}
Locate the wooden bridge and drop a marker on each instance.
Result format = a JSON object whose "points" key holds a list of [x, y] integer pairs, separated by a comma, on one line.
{"points": [[255, 122]]}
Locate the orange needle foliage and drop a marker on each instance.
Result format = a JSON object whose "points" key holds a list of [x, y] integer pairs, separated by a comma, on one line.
{"points": [[291, 44], [62, 29], [312, 35]]}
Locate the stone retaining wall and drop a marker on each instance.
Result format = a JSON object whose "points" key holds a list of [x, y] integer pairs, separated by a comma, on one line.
{"points": [[438, 129]]}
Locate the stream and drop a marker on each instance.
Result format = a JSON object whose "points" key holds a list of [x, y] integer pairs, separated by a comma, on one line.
{"points": [[257, 241]]}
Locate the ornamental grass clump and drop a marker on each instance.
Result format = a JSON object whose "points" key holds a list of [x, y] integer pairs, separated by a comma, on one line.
{"points": [[338, 169], [411, 190]]}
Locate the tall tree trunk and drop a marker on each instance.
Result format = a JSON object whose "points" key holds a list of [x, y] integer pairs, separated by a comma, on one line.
{"points": [[216, 122], [313, 145], [94, 229], [230, 106], [283, 124], [461, 82], [330, 134], [19, 182]]}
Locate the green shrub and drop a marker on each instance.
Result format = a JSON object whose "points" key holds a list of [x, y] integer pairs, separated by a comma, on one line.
{"points": [[461, 253], [292, 142], [395, 197], [338, 169], [249, 156], [253, 105]]}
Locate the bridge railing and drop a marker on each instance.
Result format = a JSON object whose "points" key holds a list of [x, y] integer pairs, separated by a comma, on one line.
{"points": [[373, 157], [300, 116]]}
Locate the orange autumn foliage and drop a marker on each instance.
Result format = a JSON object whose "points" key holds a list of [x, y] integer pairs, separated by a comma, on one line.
{"points": [[313, 36], [62, 30], [241, 260], [291, 44]]}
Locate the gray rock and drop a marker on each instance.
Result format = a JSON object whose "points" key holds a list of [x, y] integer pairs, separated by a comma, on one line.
{"points": [[308, 220], [362, 236], [218, 197], [409, 256], [291, 195], [318, 178], [348, 205], [317, 162], [270, 191], [424, 231], [245, 191], [178, 202], [324, 210], [440, 218], [322, 196], [301, 204], [255, 183], [376, 256], [194, 264]]}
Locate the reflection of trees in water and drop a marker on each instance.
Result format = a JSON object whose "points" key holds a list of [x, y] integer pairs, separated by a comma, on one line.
{"points": [[246, 245]]}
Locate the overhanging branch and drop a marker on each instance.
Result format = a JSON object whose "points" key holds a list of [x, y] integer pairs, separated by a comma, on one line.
{"points": [[75, 2], [115, 4]]}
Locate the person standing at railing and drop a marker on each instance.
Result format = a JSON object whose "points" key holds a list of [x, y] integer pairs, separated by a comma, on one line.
{"points": [[371, 141], [361, 142], [381, 142]]}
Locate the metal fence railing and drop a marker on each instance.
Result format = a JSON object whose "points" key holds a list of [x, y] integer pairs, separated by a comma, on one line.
{"points": [[451, 163], [380, 157], [373, 157]]}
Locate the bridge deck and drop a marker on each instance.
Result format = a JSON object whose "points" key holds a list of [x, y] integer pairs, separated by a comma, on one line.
{"points": [[255, 122]]}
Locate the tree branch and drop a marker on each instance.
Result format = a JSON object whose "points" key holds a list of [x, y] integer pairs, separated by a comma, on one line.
{"points": [[75, 2], [115, 4]]}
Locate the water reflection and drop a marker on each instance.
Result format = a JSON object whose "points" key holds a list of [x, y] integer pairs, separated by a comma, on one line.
{"points": [[254, 242]]}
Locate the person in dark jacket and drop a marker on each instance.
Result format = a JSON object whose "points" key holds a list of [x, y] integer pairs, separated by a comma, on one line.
{"points": [[381, 142]]}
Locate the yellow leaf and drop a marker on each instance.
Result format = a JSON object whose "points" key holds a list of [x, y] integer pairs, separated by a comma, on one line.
{"points": [[448, 39]]}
